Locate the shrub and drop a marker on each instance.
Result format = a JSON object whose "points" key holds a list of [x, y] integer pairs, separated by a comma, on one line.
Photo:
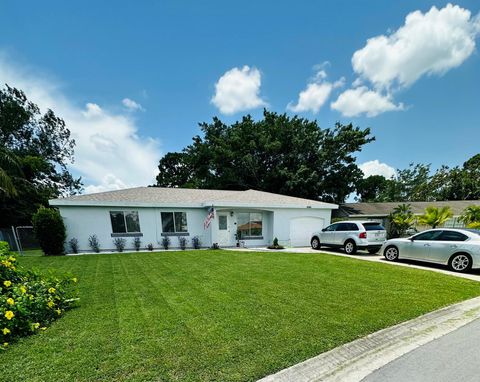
{"points": [[73, 243], [150, 247], [166, 242], [196, 242], [29, 301], [94, 243], [182, 242], [275, 245], [137, 243], [215, 246], [50, 231], [119, 243]]}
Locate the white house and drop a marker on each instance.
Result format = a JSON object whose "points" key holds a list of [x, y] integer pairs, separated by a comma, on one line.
{"points": [[253, 217]]}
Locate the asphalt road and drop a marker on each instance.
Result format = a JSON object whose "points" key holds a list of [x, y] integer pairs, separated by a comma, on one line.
{"points": [[453, 357]]}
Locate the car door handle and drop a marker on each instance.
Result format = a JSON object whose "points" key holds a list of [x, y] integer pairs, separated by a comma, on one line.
{"points": [[453, 246], [426, 245]]}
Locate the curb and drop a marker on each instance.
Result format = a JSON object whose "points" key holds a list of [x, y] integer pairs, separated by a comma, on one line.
{"points": [[357, 359]]}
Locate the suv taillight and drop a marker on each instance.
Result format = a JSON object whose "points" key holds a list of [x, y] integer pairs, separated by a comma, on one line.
{"points": [[363, 235]]}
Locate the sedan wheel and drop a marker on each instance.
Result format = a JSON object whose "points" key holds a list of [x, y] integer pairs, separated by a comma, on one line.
{"points": [[460, 263], [391, 253]]}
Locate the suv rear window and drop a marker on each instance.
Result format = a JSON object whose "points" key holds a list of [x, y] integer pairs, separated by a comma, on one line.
{"points": [[373, 226]]}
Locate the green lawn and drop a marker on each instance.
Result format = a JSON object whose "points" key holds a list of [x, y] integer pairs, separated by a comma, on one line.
{"points": [[217, 315]]}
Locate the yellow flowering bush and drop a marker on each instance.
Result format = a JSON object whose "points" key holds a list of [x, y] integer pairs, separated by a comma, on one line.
{"points": [[29, 301]]}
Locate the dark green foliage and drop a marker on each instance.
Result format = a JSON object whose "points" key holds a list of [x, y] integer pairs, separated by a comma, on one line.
{"points": [[50, 231], [119, 243], [371, 188], [196, 242], [275, 245], [182, 242], [30, 301], [93, 243], [73, 243], [38, 148], [280, 154], [150, 247], [166, 242], [137, 243]]}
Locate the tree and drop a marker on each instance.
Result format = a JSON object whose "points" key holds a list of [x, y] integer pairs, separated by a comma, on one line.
{"points": [[372, 188], [282, 154], [8, 164], [401, 219], [435, 216], [470, 215], [41, 147], [50, 231]]}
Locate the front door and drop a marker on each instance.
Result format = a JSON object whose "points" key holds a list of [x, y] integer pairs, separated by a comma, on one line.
{"points": [[224, 229]]}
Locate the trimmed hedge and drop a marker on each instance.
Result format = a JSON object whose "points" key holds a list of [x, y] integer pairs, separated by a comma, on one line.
{"points": [[29, 301], [50, 231]]}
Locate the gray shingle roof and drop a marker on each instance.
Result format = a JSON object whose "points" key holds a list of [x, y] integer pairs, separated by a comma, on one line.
{"points": [[384, 209], [158, 196]]}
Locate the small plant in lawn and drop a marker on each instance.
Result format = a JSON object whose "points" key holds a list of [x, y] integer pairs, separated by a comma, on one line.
{"points": [[94, 243], [182, 242], [73, 243], [30, 300], [166, 242], [150, 247], [119, 243], [196, 242], [137, 243], [275, 245], [49, 230]]}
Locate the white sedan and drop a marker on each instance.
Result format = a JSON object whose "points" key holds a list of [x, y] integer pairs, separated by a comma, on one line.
{"points": [[457, 248]]}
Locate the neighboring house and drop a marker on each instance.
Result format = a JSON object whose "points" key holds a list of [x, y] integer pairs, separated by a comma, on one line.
{"points": [[250, 218], [379, 211]]}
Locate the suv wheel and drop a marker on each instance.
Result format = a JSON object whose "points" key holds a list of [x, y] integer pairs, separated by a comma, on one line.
{"points": [[315, 243], [350, 247]]}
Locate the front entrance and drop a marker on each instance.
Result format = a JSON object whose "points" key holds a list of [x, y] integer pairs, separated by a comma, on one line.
{"points": [[225, 234]]}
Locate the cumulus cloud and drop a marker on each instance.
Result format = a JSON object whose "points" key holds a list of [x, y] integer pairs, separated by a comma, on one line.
{"points": [[315, 95], [353, 102], [375, 167], [238, 90], [131, 105], [109, 152]]}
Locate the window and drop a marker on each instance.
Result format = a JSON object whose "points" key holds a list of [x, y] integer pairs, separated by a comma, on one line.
{"points": [[453, 236], [249, 224], [347, 227], [429, 235], [125, 221], [373, 226], [174, 222], [222, 222]]}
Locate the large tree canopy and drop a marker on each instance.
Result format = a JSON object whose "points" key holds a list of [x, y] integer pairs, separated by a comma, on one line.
{"points": [[42, 147], [291, 156]]}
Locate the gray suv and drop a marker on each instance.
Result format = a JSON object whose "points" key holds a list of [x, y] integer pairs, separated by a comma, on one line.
{"points": [[351, 235]]}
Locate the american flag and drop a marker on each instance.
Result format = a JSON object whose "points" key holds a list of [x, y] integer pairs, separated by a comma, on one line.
{"points": [[208, 219]]}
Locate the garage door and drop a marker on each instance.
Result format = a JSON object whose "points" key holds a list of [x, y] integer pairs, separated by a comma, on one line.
{"points": [[301, 230]]}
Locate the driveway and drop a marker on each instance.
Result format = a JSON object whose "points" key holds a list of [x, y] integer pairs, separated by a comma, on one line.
{"points": [[453, 357], [360, 255]]}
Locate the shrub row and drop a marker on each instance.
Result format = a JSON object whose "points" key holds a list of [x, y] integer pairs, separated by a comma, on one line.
{"points": [[30, 301]]}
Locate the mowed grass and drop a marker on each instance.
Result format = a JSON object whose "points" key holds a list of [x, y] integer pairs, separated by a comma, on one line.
{"points": [[217, 315]]}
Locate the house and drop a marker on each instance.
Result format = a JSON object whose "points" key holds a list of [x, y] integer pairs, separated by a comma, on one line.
{"points": [[249, 218], [380, 211]]}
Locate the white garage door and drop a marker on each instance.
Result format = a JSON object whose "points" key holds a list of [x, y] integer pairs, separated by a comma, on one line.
{"points": [[301, 230]]}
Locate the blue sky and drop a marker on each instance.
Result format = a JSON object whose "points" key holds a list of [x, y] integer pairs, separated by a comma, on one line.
{"points": [[416, 87]]}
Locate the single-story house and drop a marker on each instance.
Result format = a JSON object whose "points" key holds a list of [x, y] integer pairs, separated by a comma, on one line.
{"points": [[380, 211], [248, 218]]}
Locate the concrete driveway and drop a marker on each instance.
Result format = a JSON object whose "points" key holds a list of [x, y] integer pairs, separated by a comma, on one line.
{"points": [[361, 255]]}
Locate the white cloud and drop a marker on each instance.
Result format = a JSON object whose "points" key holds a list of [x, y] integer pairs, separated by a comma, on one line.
{"points": [[315, 95], [361, 100], [428, 43], [375, 167], [109, 153], [238, 90], [131, 105]]}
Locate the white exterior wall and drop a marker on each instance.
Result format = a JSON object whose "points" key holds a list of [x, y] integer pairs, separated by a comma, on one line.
{"points": [[81, 222], [283, 217]]}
